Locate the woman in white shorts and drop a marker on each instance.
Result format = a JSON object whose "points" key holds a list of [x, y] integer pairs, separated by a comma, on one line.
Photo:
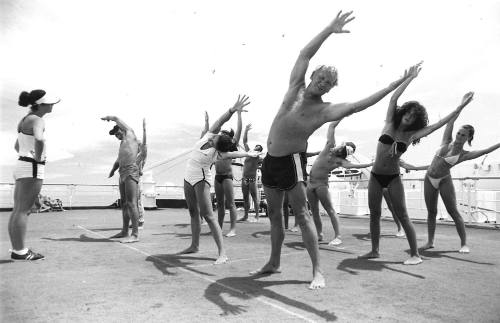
{"points": [[30, 168], [197, 178]]}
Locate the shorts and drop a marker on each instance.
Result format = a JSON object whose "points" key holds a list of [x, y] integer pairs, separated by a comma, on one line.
{"points": [[248, 180], [194, 176], [131, 170], [284, 172], [27, 167]]}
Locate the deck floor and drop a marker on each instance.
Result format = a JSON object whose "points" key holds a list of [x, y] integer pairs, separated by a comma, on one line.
{"points": [[87, 277]]}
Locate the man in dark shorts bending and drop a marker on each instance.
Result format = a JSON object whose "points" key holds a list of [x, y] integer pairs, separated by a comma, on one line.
{"points": [[126, 163], [283, 169]]}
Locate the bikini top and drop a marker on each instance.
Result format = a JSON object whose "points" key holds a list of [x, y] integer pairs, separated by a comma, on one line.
{"points": [[451, 160], [397, 146]]}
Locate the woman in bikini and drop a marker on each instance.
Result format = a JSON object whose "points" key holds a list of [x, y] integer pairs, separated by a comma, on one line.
{"points": [[30, 168], [438, 179], [403, 125], [197, 178]]}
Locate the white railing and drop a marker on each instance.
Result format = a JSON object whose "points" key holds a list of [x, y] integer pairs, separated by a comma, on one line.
{"points": [[349, 197]]}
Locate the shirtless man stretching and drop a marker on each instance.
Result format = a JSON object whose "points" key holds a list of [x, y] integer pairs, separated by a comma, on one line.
{"points": [[249, 180], [330, 158], [301, 113], [126, 163]]}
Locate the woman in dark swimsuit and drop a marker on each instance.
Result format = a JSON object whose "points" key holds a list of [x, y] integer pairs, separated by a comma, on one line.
{"points": [[403, 125]]}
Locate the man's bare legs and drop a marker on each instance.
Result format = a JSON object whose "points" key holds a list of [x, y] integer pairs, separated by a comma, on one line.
{"points": [[130, 207], [256, 199], [245, 190], [324, 197], [297, 197], [274, 199], [125, 216], [314, 203], [198, 198]]}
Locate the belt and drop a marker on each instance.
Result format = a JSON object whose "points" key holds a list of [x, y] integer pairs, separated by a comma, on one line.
{"points": [[34, 162]]}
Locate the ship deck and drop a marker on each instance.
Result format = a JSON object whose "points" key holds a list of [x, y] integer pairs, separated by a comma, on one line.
{"points": [[87, 277]]}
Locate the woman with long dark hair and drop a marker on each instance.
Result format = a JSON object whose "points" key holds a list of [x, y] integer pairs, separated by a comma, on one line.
{"points": [[404, 125]]}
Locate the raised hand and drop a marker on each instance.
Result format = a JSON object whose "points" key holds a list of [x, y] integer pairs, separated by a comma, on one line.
{"points": [[413, 71], [340, 21], [206, 116], [107, 118], [240, 104], [467, 98], [144, 123], [248, 127]]}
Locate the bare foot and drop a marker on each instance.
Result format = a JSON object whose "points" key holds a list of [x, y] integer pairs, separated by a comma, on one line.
{"points": [[464, 249], [320, 236], [318, 281], [335, 242], [267, 269], [188, 250], [221, 260], [231, 234], [119, 236], [370, 255], [400, 234], [426, 246], [415, 260], [130, 239]]}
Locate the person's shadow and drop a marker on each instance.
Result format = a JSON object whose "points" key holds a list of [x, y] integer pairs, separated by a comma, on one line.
{"points": [[82, 238], [166, 262], [354, 265], [432, 253], [250, 287], [259, 234]]}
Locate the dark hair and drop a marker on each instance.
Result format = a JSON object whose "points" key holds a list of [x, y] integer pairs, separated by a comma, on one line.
{"points": [[471, 132], [114, 130], [230, 133], [260, 147], [30, 98], [351, 144], [225, 143], [421, 119]]}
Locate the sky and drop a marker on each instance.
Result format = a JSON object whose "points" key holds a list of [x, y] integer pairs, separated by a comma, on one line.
{"points": [[168, 62]]}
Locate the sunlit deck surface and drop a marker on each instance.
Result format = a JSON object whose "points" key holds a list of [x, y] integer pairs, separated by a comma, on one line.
{"points": [[88, 278]]}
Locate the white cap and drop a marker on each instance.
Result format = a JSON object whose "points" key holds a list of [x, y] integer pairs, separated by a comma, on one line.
{"points": [[48, 99]]}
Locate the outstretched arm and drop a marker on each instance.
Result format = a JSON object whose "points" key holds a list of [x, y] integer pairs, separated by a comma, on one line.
{"points": [[478, 153], [118, 121], [409, 167], [245, 136], [338, 111], [144, 131], [430, 129], [300, 67], [239, 154], [207, 125], [237, 135], [238, 106], [348, 164], [314, 153], [410, 74], [448, 131]]}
